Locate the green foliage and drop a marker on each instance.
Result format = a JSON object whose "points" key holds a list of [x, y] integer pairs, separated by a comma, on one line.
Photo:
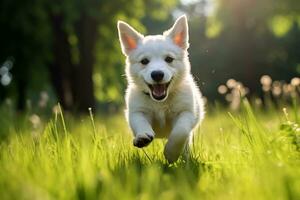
{"points": [[250, 155], [32, 28], [244, 41], [280, 25], [25, 38]]}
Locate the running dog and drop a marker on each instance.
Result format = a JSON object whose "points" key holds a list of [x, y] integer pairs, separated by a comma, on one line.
{"points": [[162, 98]]}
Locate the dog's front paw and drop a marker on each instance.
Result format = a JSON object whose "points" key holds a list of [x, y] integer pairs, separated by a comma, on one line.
{"points": [[172, 152], [141, 141], [171, 156]]}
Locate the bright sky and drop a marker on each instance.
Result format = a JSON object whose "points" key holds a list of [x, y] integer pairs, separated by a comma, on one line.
{"points": [[209, 5], [188, 1]]}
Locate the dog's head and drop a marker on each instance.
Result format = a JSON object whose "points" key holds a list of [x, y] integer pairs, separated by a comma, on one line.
{"points": [[156, 63]]}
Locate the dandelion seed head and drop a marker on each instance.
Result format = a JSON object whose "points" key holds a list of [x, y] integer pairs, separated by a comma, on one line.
{"points": [[35, 120], [222, 89], [276, 91], [295, 81], [266, 80], [55, 109], [231, 83]]}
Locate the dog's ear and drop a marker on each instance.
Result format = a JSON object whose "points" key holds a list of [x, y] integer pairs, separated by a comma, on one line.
{"points": [[128, 37], [179, 33]]}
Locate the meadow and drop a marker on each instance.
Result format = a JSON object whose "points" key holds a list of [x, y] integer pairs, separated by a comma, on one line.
{"points": [[245, 59], [252, 153]]}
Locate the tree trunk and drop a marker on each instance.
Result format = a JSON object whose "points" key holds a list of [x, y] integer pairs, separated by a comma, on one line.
{"points": [[86, 29], [245, 45], [73, 82], [61, 68]]}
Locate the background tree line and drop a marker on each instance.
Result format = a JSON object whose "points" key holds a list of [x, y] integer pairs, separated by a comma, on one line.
{"points": [[70, 48]]}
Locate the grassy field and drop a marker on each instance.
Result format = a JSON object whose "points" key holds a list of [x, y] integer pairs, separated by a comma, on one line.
{"points": [[239, 155]]}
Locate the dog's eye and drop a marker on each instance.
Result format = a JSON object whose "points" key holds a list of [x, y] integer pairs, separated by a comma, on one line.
{"points": [[169, 59], [145, 61]]}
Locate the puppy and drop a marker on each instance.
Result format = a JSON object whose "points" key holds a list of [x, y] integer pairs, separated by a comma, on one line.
{"points": [[162, 99]]}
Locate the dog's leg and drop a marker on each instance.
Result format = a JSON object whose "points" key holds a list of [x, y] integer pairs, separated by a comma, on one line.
{"points": [[186, 154], [142, 130], [179, 136]]}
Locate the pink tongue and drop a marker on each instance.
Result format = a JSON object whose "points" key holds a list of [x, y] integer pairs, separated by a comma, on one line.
{"points": [[159, 90]]}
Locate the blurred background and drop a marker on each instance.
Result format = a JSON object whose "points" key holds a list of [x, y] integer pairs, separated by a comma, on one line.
{"points": [[68, 51]]}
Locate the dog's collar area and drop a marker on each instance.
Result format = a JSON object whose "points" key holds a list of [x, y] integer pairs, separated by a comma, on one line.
{"points": [[146, 93]]}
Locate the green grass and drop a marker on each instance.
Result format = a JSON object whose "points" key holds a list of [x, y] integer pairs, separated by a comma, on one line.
{"points": [[243, 155]]}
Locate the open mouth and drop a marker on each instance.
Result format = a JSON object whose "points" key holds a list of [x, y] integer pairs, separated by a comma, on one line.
{"points": [[159, 91]]}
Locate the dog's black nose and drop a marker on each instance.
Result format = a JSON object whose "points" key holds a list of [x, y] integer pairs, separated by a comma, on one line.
{"points": [[157, 75]]}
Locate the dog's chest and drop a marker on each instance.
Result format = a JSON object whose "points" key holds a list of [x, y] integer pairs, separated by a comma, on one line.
{"points": [[162, 118]]}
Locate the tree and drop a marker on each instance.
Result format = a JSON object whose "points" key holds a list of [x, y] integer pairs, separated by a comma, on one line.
{"points": [[68, 38], [240, 42], [23, 40]]}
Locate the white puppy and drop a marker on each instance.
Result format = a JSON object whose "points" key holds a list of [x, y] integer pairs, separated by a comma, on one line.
{"points": [[162, 99]]}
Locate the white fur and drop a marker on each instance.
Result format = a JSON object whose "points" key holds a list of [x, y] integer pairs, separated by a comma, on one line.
{"points": [[176, 116]]}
